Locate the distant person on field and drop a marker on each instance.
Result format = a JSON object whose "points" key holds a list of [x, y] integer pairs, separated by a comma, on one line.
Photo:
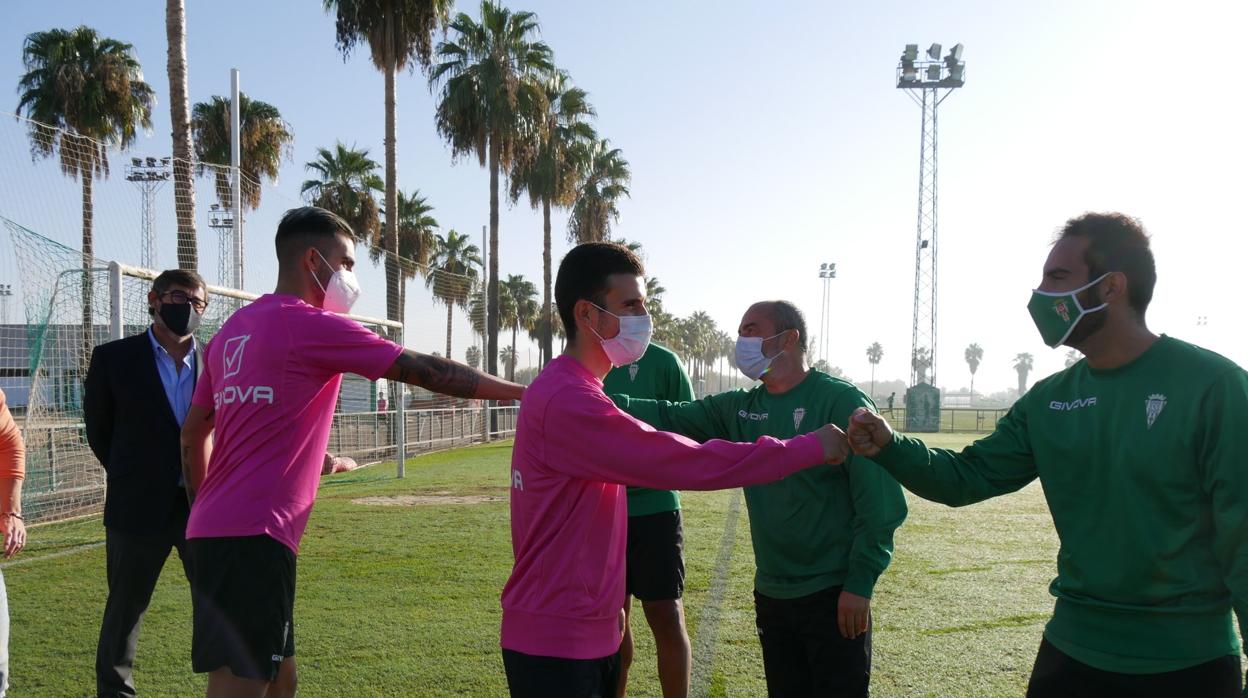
{"points": [[137, 395], [891, 397], [12, 526], [1143, 456], [267, 395]]}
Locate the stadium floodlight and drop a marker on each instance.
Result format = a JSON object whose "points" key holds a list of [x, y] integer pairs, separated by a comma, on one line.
{"points": [[933, 73], [957, 75], [136, 162], [955, 55], [933, 52], [911, 53]]}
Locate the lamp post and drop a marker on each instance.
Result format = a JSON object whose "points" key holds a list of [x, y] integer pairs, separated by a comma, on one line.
{"points": [[827, 272], [928, 80], [150, 174], [6, 295]]}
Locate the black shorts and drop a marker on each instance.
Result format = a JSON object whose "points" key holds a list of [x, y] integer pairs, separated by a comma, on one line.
{"points": [[1058, 674], [244, 603], [530, 676], [656, 557]]}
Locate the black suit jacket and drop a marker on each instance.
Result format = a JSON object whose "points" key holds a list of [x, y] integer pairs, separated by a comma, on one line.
{"points": [[133, 431]]}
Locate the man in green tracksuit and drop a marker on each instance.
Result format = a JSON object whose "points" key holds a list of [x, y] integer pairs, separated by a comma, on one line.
{"points": [[655, 555], [823, 536], [1142, 450]]}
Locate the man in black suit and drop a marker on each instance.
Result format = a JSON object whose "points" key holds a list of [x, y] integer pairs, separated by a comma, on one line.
{"points": [[138, 392]]}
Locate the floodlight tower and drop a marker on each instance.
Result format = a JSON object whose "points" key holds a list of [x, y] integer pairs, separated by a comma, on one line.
{"points": [[150, 175], [827, 272], [221, 219], [928, 81]]}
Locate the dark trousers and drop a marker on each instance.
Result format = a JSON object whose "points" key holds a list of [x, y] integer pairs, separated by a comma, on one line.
{"points": [[134, 565], [530, 676], [804, 653], [1058, 675]]}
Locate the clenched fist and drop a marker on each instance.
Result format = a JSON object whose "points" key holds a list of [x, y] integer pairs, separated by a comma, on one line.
{"points": [[868, 432], [835, 444]]}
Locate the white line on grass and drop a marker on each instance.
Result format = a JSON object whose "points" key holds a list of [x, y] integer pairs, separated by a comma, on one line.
{"points": [[708, 620], [27, 560]]}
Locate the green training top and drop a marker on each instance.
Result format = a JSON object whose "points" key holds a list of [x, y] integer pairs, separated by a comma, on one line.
{"points": [[658, 375], [1145, 469], [822, 527]]}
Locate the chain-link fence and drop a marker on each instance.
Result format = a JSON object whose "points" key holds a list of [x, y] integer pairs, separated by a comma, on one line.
{"points": [[67, 214]]}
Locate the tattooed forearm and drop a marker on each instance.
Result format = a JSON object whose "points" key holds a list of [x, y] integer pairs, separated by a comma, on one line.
{"points": [[437, 374]]}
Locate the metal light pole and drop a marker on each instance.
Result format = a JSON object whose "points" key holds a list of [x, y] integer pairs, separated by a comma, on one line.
{"points": [[236, 163], [827, 272], [6, 295], [150, 174], [222, 221], [928, 81]]}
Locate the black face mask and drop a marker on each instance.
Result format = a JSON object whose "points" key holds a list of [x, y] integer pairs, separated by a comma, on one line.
{"points": [[180, 318]]}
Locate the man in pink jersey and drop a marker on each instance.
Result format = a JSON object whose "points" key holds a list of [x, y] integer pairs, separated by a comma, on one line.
{"points": [[574, 452], [267, 395]]}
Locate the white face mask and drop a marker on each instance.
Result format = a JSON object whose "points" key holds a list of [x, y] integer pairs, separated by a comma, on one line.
{"points": [[631, 343], [343, 289], [750, 358]]}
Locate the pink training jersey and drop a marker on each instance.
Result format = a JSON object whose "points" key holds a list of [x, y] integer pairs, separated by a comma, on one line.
{"points": [[569, 518], [272, 373]]}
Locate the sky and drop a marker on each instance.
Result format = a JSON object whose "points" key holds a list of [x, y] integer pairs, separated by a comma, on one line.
{"points": [[766, 138]]}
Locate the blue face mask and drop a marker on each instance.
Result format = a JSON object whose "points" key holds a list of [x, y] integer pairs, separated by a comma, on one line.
{"points": [[750, 358]]}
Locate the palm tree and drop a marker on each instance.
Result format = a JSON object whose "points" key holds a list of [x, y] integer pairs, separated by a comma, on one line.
{"points": [[508, 357], [398, 33], [1072, 357], [453, 273], [605, 182], [546, 168], [473, 356], [875, 353], [416, 241], [654, 294], [345, 181], [1022, 364], [83, 93], [974, 354], [524, 308], [180, 115], [491, 101], [265, 140]]}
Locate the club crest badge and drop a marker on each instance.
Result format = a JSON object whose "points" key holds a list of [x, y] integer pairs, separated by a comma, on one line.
{"points": [[1155, 404], [1059, 307], [798, 415], [632, 372]]}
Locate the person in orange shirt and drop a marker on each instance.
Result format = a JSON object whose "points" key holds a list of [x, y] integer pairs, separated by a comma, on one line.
{"points": [[12, 527]]}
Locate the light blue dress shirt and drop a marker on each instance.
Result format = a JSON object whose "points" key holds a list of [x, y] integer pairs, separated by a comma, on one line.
{"points": [[179, 385]]}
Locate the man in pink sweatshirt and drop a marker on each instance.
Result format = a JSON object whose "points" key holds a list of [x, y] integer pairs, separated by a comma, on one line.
{"points": [[574, 453]]}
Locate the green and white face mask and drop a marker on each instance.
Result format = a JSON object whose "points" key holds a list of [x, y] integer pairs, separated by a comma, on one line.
{"points": [[1056, 314]]}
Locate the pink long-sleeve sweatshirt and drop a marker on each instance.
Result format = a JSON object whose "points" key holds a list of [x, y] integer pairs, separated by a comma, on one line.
{"points": [[574, 453]]}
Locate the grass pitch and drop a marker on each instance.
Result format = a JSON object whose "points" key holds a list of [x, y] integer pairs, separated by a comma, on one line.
{"points": [[402, 600]]}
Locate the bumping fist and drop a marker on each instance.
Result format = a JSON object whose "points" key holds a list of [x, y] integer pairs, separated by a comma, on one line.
{"points": [[868, 432], [834, 442]]}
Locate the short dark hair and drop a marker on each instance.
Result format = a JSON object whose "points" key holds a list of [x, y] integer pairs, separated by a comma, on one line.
{"points": [[786, 316], [303, 227], [176, 277], [583, 275], [1117, 242]]}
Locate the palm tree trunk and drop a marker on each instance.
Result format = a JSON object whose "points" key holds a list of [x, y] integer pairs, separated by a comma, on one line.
{"points": [[1022, 383], [548, 317], [872, 395], [972, 389], [511, 366], [88, 252], [491, 314], [180, 115], [450, 307], [391, 236]]}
